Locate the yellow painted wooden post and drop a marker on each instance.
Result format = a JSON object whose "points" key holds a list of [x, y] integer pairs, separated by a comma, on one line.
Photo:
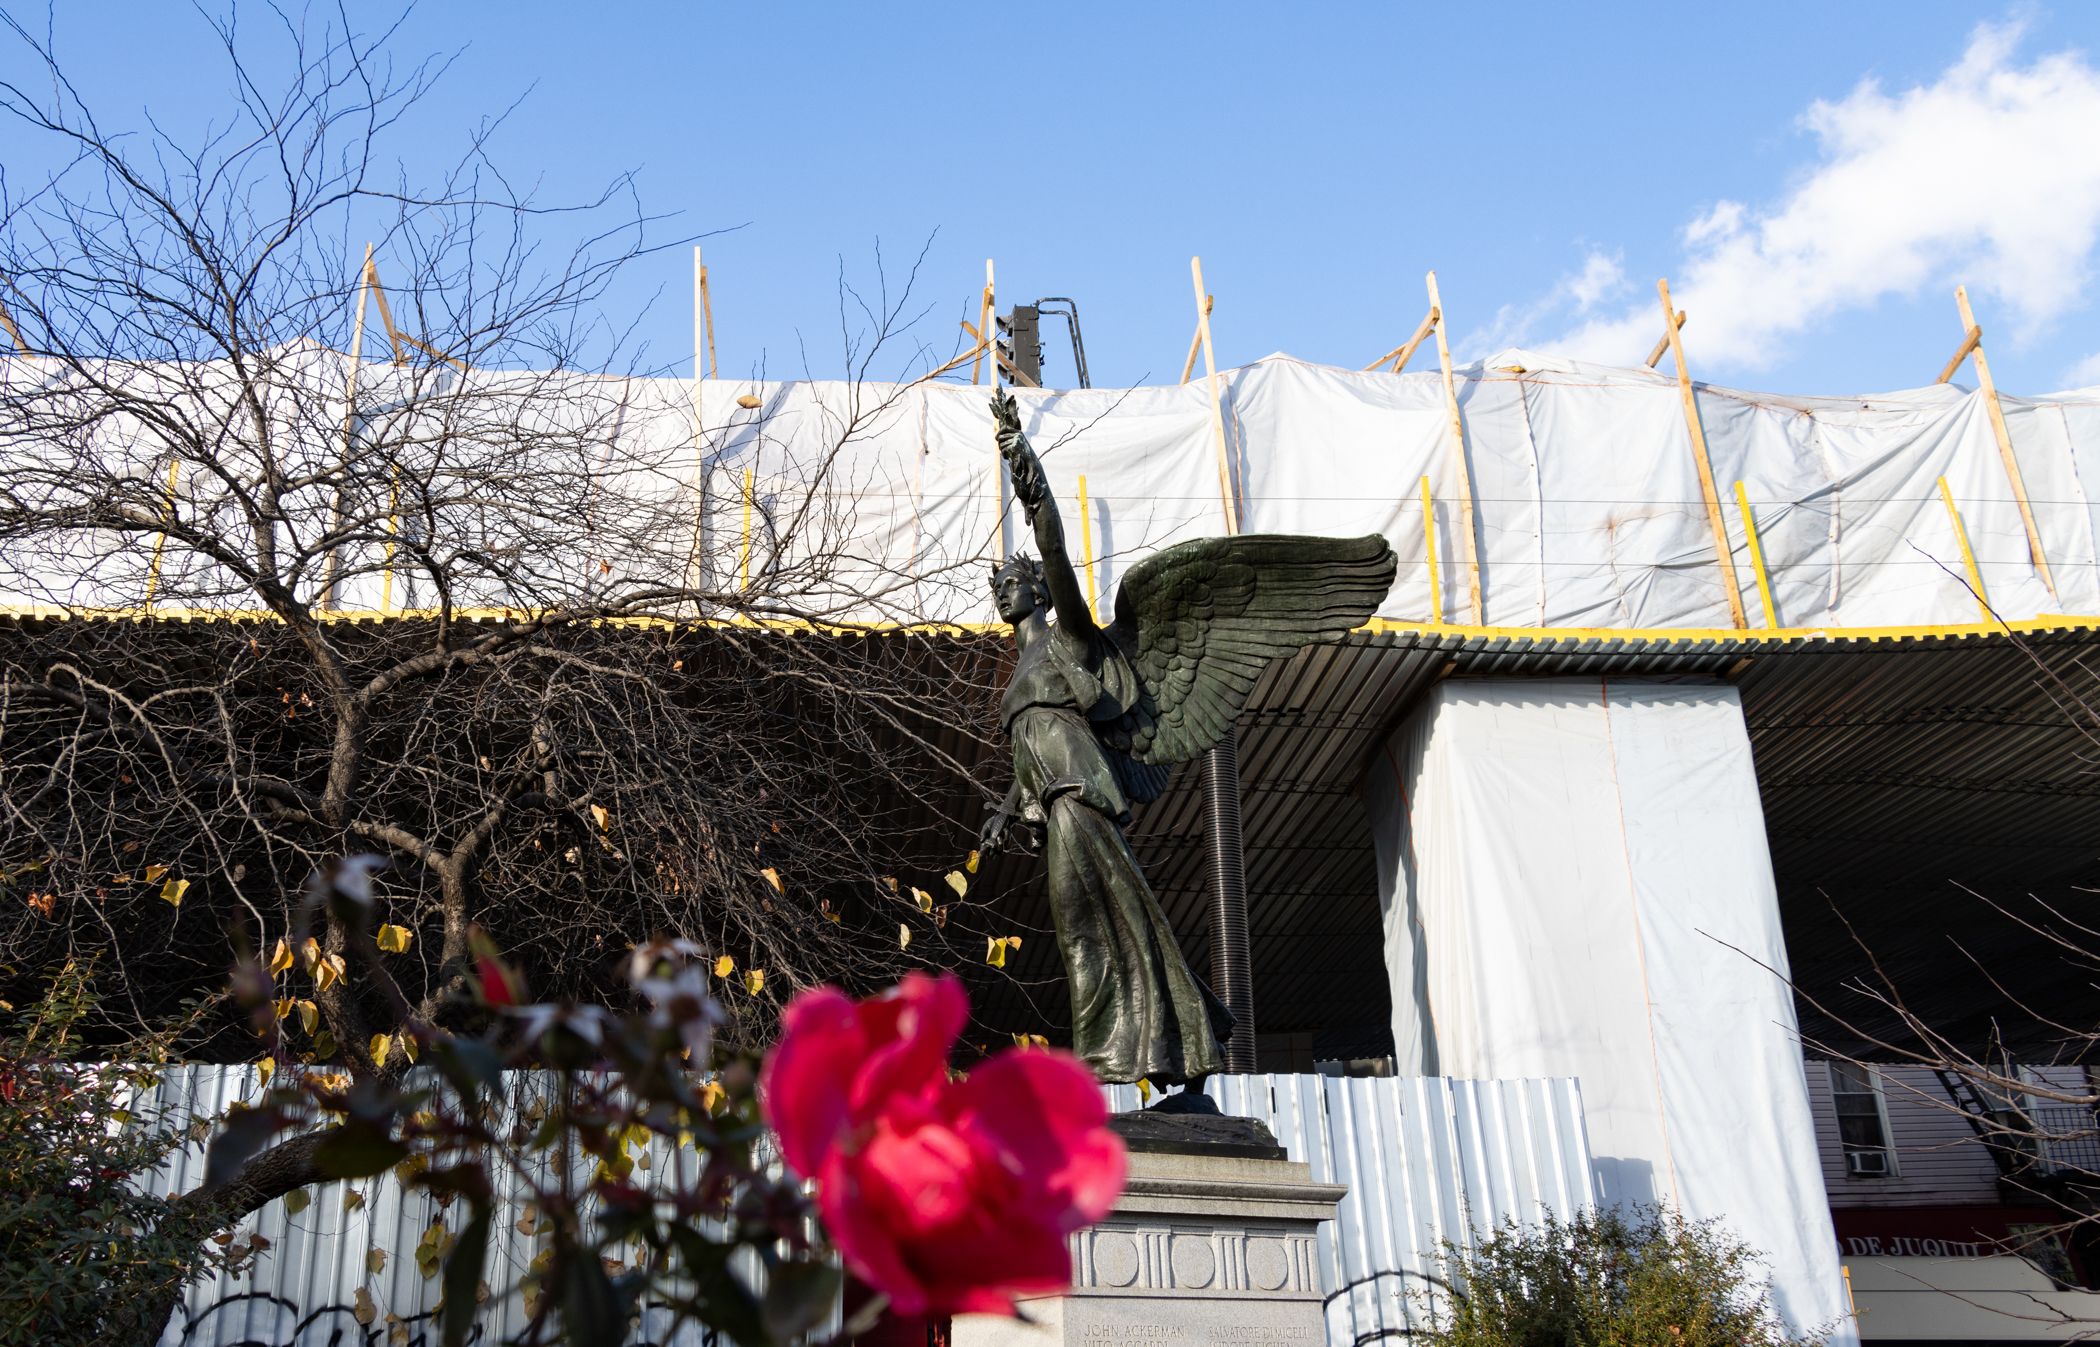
{"points": [[1436, 586], [1722, 551], [743, 551], [1086, 551], [393, 525], [1757, 558], [160, 539], [1217, 413], [1467, 530], [1968, 558], [2005, 444]]}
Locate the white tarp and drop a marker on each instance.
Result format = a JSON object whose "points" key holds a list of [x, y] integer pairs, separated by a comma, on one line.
{"points": [[1589, 507], [1575, 883]]}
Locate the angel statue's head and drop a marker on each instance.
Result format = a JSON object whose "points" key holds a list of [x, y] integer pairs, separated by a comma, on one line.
{"points": [[1018, 588]]}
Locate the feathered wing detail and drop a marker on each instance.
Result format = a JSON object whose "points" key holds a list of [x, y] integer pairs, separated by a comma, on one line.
{"points": [[1142, 782], [1198, 623]]}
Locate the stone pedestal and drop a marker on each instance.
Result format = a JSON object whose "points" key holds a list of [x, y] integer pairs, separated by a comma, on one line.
{"points": [[1202, 1248]]}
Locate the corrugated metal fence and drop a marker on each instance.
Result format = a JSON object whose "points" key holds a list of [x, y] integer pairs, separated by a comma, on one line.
{"points": [[1426, 1160], [305, 1288]]}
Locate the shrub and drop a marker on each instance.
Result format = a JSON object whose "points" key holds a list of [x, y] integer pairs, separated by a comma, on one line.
{"points": [[1651, 1280], [83, 1251]]}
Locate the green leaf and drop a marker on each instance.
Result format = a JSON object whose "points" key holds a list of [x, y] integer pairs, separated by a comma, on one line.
{"points": [[798, 1296], [728, 1306], [357, 1150], [463, 1277], [592, 1312], [247, 1131], [468, 1062]]}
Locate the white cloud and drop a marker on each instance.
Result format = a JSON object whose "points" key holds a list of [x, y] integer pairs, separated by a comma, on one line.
{"points": [[1602, 277], [2084, 374], [1990, 176]]}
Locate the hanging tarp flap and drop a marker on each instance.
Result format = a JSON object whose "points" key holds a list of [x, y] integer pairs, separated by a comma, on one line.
{"points": [[1575, 883]]}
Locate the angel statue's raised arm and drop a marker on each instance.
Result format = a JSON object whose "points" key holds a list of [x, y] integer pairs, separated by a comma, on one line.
{"points": [[1098, 716]]}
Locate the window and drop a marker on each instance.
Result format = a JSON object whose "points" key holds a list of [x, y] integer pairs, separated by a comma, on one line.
{"points": [[1863, 1124]]}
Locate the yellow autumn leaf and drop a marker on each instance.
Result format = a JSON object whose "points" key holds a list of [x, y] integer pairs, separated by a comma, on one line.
{"points": [[375, 1261], [995, 952], [310, 953], [408, 1045], [923, 899], [890, 880], [971, 863], [724, 966], [380, 1044], [1144, 1091], [263, 1069], [755, 981], [772, 877], [296, 1201], [362, 1309], [329, 970], [959, 882], [309, 1016], [394, 939], [154, 872], [353, 1199], [284, 1007], [711, 1095], [280, 960], [903, 936], [601, 816], [172, 891]]}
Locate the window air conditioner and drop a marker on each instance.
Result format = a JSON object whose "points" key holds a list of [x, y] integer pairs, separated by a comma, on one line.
{"points": [[1867, 1164]]}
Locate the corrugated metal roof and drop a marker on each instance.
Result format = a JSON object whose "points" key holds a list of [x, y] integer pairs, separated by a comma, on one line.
{"points": [[1894, 769]]}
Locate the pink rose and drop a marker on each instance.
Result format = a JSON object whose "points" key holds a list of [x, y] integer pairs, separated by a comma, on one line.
{"points": [[945, 1195]]}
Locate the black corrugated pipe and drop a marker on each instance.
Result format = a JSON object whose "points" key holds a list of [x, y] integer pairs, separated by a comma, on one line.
{"points": [[1232, 976]]}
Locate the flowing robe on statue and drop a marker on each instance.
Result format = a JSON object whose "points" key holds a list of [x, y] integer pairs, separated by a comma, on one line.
{"points": [[1137, 1010]]}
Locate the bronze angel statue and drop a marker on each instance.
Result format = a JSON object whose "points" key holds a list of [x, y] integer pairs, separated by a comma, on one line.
{"points": [[1098, 716]]}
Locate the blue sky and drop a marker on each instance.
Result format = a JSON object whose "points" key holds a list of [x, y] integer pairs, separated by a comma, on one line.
{"points": [[1821, 176]]}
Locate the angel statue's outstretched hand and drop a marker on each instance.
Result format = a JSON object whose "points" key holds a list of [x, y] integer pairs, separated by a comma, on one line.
{"points": [[1098, 716]]}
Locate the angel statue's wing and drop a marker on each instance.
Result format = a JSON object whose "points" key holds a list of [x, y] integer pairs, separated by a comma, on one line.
{"points": [[1199, 622]]}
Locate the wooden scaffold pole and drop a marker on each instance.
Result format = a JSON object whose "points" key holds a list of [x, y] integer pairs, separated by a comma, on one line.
{"points": [[1972, 344], [1217, 413], [1723, 550], [1468, 531]]}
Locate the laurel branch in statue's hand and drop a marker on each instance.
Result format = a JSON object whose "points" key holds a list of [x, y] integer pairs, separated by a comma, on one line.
{"points": [[1027, 471]]}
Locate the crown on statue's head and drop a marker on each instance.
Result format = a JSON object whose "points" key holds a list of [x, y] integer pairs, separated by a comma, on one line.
{"points": [[1029, 569]]}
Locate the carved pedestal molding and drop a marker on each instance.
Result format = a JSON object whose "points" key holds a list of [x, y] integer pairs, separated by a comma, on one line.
{"points": [[1201, 1249]]}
